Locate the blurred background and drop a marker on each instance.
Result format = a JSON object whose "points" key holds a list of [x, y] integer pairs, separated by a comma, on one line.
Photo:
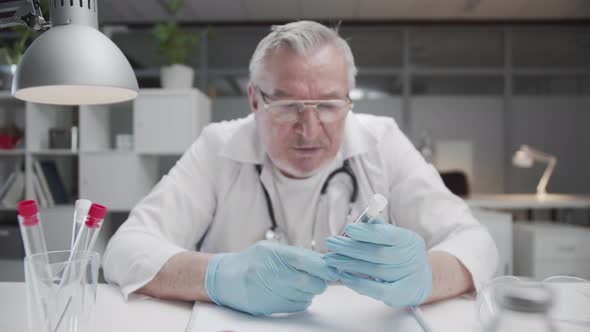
{"points": [[494, 74]]}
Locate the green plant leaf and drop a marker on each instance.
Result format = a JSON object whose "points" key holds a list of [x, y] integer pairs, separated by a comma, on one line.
{"points": [[175, 45], [174, 5]]}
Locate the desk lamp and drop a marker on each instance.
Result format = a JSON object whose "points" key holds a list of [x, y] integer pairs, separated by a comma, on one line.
{"points": [[525, 157], [72, 63]]}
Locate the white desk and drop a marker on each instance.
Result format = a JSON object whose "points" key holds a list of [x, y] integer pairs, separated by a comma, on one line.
{"points": [[114, 315], [529, 201]]}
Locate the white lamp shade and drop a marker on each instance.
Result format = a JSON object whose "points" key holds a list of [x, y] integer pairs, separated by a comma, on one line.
{"points": [[74, 65], [522, 158]]}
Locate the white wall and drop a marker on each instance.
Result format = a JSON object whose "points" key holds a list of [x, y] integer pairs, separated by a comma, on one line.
{"points": [[477, 120], [389, 106], [228, 108], [559, 126]]}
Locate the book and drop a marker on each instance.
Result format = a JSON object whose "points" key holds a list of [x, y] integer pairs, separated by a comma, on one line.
{"points": [[7, 184], [16, 191], [43, 182], [56, 186], [38, 191]]}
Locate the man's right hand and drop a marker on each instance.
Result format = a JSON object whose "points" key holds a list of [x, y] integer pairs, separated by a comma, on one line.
{"points": [[267, 278]]}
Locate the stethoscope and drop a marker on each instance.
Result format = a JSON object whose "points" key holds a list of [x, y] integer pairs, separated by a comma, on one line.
{"points": [[273, 234]]}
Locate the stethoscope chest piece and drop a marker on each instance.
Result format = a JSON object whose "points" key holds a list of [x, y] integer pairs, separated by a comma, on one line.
{"points": [[272, 235], [269, 235]]}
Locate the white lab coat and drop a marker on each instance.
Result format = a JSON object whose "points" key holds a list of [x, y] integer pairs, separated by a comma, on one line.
{"points": [[212, 199]]}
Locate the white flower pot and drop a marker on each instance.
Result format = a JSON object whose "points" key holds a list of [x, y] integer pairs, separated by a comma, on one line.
{"points": [[177, 77]]}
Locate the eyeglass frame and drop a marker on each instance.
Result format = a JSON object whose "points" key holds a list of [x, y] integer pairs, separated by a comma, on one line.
{"points": [[306, 103]]}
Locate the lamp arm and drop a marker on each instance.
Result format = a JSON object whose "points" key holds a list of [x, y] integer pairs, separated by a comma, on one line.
{"points": [[542, 186], [22, 12], [541, 156]]}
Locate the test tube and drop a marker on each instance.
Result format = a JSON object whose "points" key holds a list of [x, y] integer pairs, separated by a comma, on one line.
{"points": [[88, 233], [34, 243], [80, 214], [86, 237], [30, 228], [376, 206]]}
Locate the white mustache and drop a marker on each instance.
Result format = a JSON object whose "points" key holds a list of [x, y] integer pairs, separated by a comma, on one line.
{"points": [[302, 144]]}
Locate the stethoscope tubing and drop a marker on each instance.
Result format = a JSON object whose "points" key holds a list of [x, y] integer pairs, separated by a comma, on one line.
{"points": [[346, 169]]}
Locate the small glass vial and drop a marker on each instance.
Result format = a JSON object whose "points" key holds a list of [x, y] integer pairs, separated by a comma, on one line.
{"points": [[523, 307]]}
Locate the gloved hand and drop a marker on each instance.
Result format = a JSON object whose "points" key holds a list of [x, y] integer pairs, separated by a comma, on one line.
{"points": [[393, 258], [267, 278]]}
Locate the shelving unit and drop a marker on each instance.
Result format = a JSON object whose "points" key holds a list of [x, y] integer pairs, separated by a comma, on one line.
{"points": [[96, 169], [13, 152], [54, 152]]}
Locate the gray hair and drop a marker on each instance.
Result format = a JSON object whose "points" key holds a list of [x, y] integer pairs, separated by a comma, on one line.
{"points": [[302, 37]]}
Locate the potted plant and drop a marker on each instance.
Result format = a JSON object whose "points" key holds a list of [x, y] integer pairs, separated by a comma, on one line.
{"points": [[10, 54], [12, 49], [175, 47]]}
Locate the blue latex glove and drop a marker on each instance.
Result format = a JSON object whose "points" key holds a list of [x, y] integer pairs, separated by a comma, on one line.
{"points": [[267, 278], [394, 259]]}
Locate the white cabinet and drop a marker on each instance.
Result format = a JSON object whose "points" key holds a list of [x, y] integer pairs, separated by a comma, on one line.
{"points": [[162, 123], [543, 249], [117, 180], [499, 225], [168, 121]]}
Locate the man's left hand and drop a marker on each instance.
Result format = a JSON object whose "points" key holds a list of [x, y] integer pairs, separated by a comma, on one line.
{"points": [[382, 261]]}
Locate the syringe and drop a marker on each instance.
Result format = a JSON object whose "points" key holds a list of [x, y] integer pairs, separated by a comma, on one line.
{"points": [[376, 206]]}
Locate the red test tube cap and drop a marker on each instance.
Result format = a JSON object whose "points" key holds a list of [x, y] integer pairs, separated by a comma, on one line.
{"points": [[97, 211], [27, 208]]}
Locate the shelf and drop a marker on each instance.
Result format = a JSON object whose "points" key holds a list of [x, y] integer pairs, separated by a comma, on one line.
{"points": [[108, 151], [134, 152], [160, 153], [57, 207], [54, 152], [12, 152]]}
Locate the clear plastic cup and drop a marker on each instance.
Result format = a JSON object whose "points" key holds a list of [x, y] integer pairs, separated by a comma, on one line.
{"points": [[570, 304], [69, 307]]}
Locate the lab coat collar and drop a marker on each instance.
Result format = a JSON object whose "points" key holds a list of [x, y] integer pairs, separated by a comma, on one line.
{"points": [[358, 139], [244, 145]]}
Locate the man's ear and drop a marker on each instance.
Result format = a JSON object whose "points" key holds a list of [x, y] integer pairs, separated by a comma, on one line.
{"points": [[252, 100]]}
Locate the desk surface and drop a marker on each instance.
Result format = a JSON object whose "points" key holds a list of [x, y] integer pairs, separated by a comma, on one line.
{"points": [[114, 314], [147, 315], [529, 201]]}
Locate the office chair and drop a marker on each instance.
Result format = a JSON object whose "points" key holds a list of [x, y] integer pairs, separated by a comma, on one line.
{"points": [[457, 182]]}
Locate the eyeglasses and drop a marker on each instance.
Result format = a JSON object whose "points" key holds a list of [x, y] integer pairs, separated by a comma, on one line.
{"points": [[287, 111]]}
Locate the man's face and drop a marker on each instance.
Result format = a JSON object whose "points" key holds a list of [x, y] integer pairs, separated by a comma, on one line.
{"points": [[300, 148]]}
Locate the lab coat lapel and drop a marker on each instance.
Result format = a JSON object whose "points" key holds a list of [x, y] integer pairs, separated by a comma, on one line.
{"points": [[360, 146], [244, 146]]}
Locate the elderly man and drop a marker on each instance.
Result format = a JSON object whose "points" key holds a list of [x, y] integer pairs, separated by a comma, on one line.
{"points": [[297, 170]]}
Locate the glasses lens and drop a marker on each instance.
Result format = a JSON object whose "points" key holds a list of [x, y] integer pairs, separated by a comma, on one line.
{"points": [[329, 111], [288, 111], [285, 111]]}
